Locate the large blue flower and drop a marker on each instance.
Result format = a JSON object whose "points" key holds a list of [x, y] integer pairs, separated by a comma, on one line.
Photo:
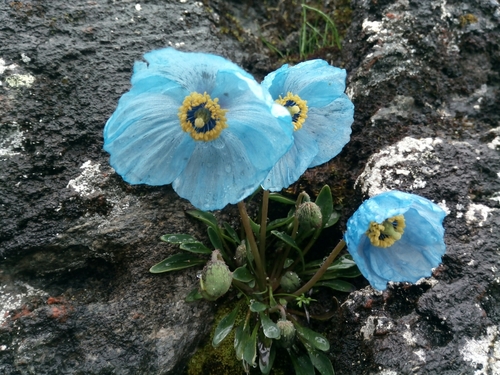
{"points": [[396, 236], [322, 114], [199, 122]]}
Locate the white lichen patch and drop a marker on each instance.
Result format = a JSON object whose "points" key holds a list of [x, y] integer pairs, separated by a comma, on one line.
{"points": [[443, 205], [87, 183], [495, 142], [387, 372], [11, 140], [477, 214], [420, 354], [4, 67], [410, 161], [12, 300], [20, 80], [483, 353], [408, 336], [371, 27]]}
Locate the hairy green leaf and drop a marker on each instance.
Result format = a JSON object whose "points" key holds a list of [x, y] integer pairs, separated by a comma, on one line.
{"points": [[224, 327], [195, 247], [177, 262]]}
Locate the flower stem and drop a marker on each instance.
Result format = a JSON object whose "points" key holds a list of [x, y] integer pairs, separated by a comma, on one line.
{"points": [[263, 226], [261, 277], [278, 268], [321, 271]]}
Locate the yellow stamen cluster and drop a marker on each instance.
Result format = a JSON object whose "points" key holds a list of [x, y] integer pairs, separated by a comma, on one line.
{"points": [[297, 110], [387, 233], [210, 110]]}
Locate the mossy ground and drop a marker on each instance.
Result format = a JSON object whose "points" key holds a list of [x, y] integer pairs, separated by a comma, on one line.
{"points": [[222, 360]]}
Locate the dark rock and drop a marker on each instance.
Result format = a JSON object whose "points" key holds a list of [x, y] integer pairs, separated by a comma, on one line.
{"points": [[76, 242]]}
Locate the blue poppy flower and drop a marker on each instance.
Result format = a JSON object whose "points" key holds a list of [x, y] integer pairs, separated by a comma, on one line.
{"points": [[396, 236], [199, 122], [322, 114]]}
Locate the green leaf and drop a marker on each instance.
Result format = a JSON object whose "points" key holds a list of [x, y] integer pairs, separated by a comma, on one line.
{"points": [[205, 217], [320, 361], [255, 227], [270, 328], [279, 222], [224, 327], [301, 363], [342, 273], [325, 203], [286, 239], [314, 339], [214, 238], [280, 198], [289, 241], [266, 357], [178, 238], [341, 263], [195, 247], [250, 346], [177, 262], [194, 295], [232, 233], [334, 217], [340, 285], [238, 342], [256, 306], [243, 274]]}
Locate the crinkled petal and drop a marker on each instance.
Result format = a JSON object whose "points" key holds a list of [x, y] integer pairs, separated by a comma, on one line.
{"points": [[194, 71], [293, 164], [264, 127], [145, 140], [219, 173], [315, 81], [330, 127], [412, 257]]}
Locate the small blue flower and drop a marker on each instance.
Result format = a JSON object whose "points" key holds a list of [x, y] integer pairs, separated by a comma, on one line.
{"points": [[396, 236], [200, 122], [322, 114]]}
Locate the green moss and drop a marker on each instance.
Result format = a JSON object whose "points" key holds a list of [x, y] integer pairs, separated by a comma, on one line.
{"points": [[222, 360]]}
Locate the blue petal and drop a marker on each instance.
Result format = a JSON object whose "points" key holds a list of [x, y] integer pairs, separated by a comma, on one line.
{"points": [[330, 127], [193, 71], [219, 172], [315, 81], [145, 140], [274, 82], [412, 257], [293, 164], [264, 127]]}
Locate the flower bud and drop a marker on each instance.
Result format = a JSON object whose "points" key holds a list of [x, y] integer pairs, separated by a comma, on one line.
{"points": [[240, 255], [215, 278], [309, 216], [287, 333], [290, 282]]}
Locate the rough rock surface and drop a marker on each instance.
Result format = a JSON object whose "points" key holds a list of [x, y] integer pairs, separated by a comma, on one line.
{"points": [[76, 242]]}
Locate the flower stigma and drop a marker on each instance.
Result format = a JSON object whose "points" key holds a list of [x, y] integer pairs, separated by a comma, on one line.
{"points": [[297, 108], [387, 233], [202, 117]]}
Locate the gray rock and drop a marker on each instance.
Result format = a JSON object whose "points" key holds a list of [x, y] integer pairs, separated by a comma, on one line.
{"points": [[76, 242]]}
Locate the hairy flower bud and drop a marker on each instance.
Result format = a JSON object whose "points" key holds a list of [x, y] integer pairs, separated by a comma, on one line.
{"points": [[309, 216], [215, 278], [240, 255], [287, 332], [290, 281]]}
